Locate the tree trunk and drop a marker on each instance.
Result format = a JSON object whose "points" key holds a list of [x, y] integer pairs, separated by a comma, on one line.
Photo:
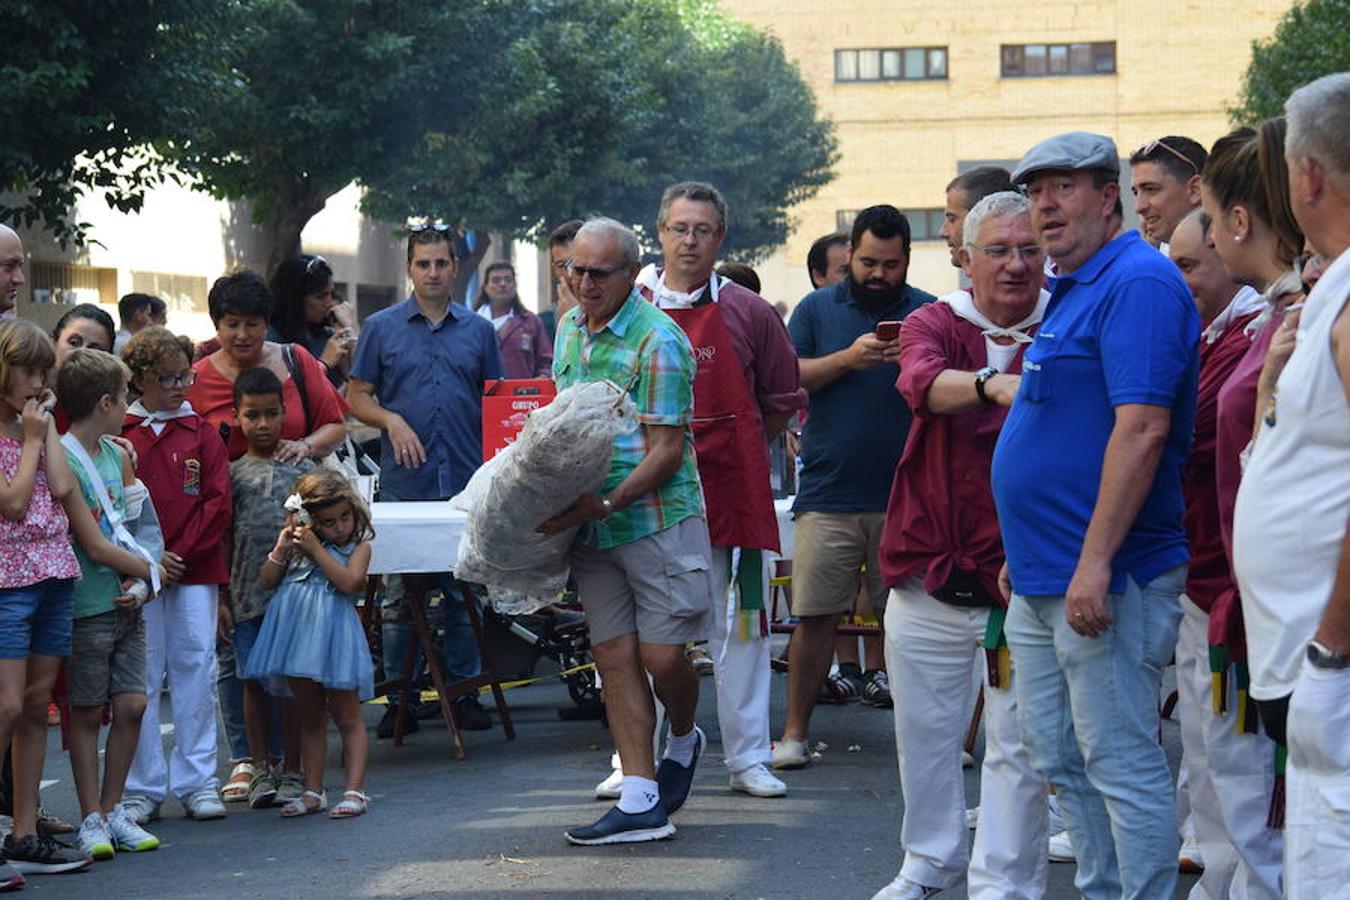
{"points": [[289, 222]]}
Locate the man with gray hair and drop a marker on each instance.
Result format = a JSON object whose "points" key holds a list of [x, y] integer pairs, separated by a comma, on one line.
{"points": [[642, 563], [960, 367], [745, 390], [1087, 481], [1293, 506]]}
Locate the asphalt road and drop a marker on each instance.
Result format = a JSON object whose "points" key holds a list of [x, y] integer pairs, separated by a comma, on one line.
{"points": [[491, 825]]}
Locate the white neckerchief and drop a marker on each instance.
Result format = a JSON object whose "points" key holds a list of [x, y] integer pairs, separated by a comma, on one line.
{"points": [[963, 304], [1287, 283], [157, 421], [1245, 301], [654, 280]]}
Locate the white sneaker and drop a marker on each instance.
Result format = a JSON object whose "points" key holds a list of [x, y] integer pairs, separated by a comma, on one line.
{"points": [[93, 838], [972, 817], [1061, 848], [757, 781], [1189, 859], [1057, 823], [612, 787], [126, 834], [790, 754], [904, 889], [141, 808], [204, 804]]}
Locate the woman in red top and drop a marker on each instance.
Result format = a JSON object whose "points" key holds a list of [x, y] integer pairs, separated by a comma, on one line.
{"points": [[240, 307]]}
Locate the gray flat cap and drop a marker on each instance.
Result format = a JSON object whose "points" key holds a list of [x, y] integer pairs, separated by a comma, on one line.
{"points": [[1074, 150]]}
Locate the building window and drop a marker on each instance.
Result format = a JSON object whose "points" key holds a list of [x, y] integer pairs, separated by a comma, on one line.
{"points": [[182, 293], [924, 224], [891, 64], [1044, 60], [68, 283]]}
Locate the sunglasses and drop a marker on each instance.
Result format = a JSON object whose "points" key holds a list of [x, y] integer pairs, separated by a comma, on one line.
{"points": [[1148, 149], [438, 227], [314, 264]]}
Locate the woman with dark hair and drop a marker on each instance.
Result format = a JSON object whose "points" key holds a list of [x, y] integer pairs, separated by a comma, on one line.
{"points": [[525, 343], [302, 288], [1244, 188], [85, 325], [241, 307]]}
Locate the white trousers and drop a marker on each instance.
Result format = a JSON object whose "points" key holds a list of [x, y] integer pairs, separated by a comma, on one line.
{"points": [[931, 648], [1231, 776], [741, 670], [180, 640], [1317, 781]]}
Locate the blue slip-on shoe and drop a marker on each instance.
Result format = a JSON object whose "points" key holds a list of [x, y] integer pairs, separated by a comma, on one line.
{"points": [[619, 827], [675, 780]]}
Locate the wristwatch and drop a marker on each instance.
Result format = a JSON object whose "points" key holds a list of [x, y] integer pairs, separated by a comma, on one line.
{"points": [[1322, 657], [981, 379]]}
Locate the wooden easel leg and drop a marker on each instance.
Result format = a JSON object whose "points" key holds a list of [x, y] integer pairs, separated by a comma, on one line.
{"points": [[476, 620], [417, 606]]}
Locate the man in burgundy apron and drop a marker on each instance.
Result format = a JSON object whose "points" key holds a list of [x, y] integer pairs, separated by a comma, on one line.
{"points": [[745, 390]]}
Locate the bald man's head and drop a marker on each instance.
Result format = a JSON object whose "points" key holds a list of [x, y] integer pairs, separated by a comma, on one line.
{"points": [[11, 268]]}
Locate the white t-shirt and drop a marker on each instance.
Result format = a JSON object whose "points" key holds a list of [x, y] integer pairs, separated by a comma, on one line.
{"points": [[1294, 498]]}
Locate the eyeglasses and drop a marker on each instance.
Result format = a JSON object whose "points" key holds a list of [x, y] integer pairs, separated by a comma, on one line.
{"points": [[183, 379], [598, 275], [681, 231], [438, 227], [1147, 150], [1002, 253]]}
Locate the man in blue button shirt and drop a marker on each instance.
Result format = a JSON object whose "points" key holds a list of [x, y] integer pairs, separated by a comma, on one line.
{"points": [[856, 427], [1087, 480], [418, 375]]}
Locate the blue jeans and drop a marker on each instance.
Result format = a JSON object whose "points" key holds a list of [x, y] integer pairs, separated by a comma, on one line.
{"points": [[1088, 708], [460, 648], [230, 690]]}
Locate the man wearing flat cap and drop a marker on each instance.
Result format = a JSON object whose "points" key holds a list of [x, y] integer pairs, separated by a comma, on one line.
{"points": [[1087, 481]]}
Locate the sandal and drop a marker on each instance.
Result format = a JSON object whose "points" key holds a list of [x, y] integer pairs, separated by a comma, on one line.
{"points": [[350, 808], [300, 807], [241, 776]]}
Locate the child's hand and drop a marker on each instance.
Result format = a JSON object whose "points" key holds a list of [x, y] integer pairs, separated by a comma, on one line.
{"points": [[285, 541], [307, 540], [35, 419], [126, 599], [127, 447], [174, 568], [224, 623]]}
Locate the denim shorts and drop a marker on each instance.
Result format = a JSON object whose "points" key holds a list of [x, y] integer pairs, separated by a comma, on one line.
{"points": [[245, 636], [107, 657], [35, 620]]}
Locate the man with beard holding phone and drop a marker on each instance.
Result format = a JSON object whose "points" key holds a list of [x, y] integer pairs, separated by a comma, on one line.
{"points": [[856, 427]]}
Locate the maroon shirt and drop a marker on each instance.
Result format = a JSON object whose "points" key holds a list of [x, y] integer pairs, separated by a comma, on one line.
{"points": [[941, 514], [1209, 574], [526, 347]]}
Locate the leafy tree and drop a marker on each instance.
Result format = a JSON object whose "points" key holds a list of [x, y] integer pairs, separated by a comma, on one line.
{"points": [[85, 86], [596, 105], [317, 97], [1311, 40]]}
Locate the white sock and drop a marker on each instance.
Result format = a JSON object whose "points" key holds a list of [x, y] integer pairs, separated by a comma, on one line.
{"points": [[680, 747], [639, 794]]}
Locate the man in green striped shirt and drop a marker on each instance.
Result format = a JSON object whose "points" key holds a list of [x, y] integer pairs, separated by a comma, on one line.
{"points": [[642, 562]]}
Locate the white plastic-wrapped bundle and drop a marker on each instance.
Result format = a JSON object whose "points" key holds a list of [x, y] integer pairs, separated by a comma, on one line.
{"points": [[563, 452]]}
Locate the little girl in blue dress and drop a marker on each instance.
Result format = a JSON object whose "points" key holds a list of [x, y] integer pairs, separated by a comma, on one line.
{"points": [[311, 640]]}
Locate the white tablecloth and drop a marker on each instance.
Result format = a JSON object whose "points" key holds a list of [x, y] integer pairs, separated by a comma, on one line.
{"points": [[413, 537]]}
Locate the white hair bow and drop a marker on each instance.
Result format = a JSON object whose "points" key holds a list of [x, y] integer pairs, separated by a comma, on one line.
{"points": [[296, 505]]}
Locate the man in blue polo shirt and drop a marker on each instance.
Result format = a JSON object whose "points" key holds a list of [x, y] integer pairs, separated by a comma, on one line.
{"points": [[1087, 479], [856, 427], [417, 375]]}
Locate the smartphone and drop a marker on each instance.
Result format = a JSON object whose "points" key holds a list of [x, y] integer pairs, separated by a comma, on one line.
{"points": [[888, 331]]}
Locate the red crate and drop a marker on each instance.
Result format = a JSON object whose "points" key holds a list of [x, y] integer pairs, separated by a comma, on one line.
{"points": [[506, 403]]}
